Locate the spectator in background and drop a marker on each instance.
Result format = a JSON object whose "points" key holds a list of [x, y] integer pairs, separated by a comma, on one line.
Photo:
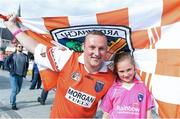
{"points": [[36, 79], [1, 59], [43, 97], [17, 64]]}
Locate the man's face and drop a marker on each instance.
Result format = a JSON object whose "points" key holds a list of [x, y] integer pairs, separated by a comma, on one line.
{"points": [[95, 49], [19, 48]]}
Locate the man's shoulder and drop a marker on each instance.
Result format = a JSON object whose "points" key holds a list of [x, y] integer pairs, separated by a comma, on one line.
{"points": [[25, 54]]}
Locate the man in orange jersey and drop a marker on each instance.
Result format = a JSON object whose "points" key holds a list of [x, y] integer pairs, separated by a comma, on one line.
{"points": [[84, 78]]}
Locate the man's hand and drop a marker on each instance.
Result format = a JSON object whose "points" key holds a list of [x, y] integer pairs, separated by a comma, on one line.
{"points": [[28, 42], [10, 23]]}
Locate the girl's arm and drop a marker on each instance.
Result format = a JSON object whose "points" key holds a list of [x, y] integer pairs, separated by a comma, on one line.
{"points": [[105, 115], [149, 113]]}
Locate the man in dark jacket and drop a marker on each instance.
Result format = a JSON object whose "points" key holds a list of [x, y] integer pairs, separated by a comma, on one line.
{"points": [[17, 64]]}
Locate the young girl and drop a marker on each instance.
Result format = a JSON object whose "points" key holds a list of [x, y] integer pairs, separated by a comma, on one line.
{"points": [[128, 97]]}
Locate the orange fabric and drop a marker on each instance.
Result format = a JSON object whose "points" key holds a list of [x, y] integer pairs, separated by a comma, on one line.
{"points": [[63, 107], [170, 12], [168, 62], [53, 64], [49, 79], [56, 22], [42, 38], [168, 110], [145, 77], [149, 81], [140, 39], [116, 17], [156, 33]]}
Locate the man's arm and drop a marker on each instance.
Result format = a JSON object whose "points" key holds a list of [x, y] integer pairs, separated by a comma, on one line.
{"points": [[28, 42], [7, 62], [27, 63]]}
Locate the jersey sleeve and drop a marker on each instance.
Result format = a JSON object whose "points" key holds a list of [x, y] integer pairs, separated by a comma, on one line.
{"points": [[106, 104], [53, 58]]}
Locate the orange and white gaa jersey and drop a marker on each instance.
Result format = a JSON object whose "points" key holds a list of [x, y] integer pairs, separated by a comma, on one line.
{"points": [[78, 91]]}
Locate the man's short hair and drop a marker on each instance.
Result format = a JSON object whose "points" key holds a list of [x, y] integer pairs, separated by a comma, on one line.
{"points": [[17, 43], [95, 32]]}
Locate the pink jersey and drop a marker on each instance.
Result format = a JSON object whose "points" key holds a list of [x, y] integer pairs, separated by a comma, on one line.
{"points": [[120, 102]]}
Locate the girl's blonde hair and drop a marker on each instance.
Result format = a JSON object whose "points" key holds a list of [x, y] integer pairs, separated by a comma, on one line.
{"points": [[121, 57]]}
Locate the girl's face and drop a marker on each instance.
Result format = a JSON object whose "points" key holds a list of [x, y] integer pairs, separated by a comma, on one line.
{"points": [[125, 71]]}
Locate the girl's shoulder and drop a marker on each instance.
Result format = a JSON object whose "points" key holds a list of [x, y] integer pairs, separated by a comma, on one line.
{"points": [[139, 82], [116, 85]]}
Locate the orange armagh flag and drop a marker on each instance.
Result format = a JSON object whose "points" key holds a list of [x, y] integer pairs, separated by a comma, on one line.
{"points": [[151, 33]]}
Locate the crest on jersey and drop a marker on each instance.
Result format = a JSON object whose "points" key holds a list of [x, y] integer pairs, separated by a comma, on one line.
{"points": [[99, 86], [76, 76]]}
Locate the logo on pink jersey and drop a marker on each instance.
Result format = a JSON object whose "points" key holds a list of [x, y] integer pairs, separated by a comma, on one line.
{"points": [[140, 97]]}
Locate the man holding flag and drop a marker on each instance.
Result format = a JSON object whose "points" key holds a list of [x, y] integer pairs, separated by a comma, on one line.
{"points": [[83, 78], [153, 39]]}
